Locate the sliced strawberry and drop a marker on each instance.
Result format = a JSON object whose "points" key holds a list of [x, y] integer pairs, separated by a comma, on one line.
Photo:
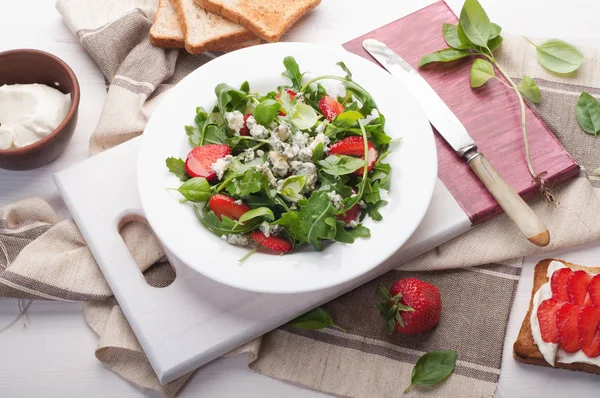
{"points": [[330, 107], [223, 205], [567, 319], [594, 290], [577, 288], [245, 130], [350, 215], [354, 146], [589, 331], [275, 243], [200, 160], [546, 314], [292, 95], [558, 283]]}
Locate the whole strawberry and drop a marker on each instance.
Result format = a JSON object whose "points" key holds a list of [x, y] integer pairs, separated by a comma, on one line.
{"points": [[411, 306]]}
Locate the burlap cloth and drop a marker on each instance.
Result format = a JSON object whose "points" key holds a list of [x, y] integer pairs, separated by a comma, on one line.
{"points": [[42, 257]]}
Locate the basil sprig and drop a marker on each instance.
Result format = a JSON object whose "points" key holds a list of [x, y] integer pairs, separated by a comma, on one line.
{"points": [[432, 368], [587, 111]]}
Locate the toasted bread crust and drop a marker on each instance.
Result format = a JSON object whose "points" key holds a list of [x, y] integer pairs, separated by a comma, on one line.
{"points": [[159, 39], [262, 18], [525, 350]]}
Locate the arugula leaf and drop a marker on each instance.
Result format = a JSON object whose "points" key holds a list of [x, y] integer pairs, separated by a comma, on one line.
{"points": [[334, 183], [265, 111], [338, 165], [529, 89], [341, 235], [314, 319], [445, 55], [215, 135], [360, 232], [376, 133], [481, 72], [292, 72], [196, 189], [303, 116], [229, 98], [432, 368], [587, 111], [226, 225], [193, 135], [245, 87], [308, 225], [475, 23], [558, 56], [177, 167], [292, 186], [373, 209], [263, 212], [246, 183], [342, 65], [318, 152]]}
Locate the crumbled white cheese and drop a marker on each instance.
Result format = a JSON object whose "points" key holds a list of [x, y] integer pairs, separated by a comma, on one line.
{"points": [[291, 151], [238, 202], [306, 169], [265, 228], [256, 130], [248, 155], [235, 120], [282, 131], [260, 152], [239, 240], [305, 154], [300, 97], [362, 204], [352, 224], [293, 206], [279, 162], [221, 165], [266, 170], [320, 128], [278, 145], [319, 138], [300, 139], [336, 199]]}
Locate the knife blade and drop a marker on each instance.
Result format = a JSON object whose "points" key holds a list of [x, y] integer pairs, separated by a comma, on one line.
{"points": [[455, 133]]}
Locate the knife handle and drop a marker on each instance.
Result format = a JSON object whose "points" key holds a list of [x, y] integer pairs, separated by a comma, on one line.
{"points": [[513, 205]]}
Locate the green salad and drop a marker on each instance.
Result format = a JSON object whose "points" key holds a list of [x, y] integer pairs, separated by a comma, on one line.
{"points": [[290, 167]]}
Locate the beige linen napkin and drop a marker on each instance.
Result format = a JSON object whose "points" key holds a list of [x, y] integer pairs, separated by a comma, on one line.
{"points": [[44, 258]]}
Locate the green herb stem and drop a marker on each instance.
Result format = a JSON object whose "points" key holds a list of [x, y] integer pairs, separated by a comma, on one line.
{"points": [[251, 252], [245, 137], [408, 388]]}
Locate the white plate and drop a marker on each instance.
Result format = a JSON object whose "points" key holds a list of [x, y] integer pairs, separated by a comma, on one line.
{"points": [[414, 173]]}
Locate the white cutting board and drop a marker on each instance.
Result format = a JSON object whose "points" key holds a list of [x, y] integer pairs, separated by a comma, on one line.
{"points": [[195, 319]]}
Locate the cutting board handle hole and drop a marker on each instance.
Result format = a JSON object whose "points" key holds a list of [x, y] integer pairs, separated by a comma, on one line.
{"points": [[146, 251]]}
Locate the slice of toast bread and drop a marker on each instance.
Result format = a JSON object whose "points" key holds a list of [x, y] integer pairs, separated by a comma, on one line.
{"points": [[205, 31], [525, 350], [166, 31], [268, 20]]}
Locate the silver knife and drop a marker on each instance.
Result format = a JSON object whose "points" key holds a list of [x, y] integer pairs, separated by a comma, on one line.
{"points": [[453, 131]]}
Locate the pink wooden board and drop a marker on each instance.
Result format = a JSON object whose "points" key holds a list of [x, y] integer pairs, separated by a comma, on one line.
{"points": [[491, 114]]}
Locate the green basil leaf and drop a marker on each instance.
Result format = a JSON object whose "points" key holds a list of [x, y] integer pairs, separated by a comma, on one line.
{"points": [[338, 165], [292, 186], [475, 23], [529, 89], [451, 37], [494, 43], [292, 72], [481, 72], [228, 98], [445, 55], [318, 152], [315, 319], [345, 69], [177, 167], [463, 37], [597, 172], [196, 189], [495, 31], [303, 116], [587, 111], [266, 111], [263, 212], [225, 225], [559, 56], [432, 368]]}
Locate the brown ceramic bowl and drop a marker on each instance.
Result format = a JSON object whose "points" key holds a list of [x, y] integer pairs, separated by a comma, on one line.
{"points": [[33, 66]]}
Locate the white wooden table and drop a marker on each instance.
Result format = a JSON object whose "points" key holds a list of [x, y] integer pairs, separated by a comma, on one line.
{"points": [[54, 355]]}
